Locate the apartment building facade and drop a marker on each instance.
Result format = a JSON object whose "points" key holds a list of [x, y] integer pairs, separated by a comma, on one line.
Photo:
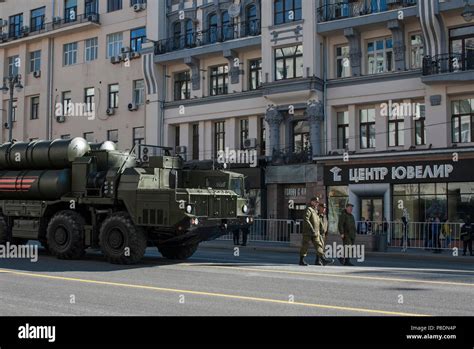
{"points": [[80, 69]]}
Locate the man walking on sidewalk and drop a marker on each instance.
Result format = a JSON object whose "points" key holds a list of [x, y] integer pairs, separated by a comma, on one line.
{"points": [[347, 228], [311, 234]]}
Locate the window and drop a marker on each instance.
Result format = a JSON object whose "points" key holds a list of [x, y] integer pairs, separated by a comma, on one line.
{"points": [[137, 38], [219, 79], [66, 98], [196, 142], [89, 99], [91, 49], [301, 141], [380, 56], [227, 27], [138, 135], [367, 128], [15, 25], [396, 130], [139, 92], [343, 67], [462, 120], [263, 137], [35, 61], [289, 62], [177, 136], [114, 44], [37, 19], [66, 136], [34, 108], [189, 27], [287, 11], [91, 7], [255, 74], [70, 10], [70, 54], [342, 130], [212, 28], [177, 35], [252, 25], [416, 51], [112, 135], [420, 126], [114, 5], [182, 86], [89, 137], [244, 132], [14, 109], [13, 65], [219, 136], [114, 96]]}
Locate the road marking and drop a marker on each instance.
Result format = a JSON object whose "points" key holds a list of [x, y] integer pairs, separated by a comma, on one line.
{"points": [[211, 294], [450, 283]]}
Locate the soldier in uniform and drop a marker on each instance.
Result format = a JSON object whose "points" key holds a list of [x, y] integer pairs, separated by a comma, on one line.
{"points": [[311, 234], [347, 229]]}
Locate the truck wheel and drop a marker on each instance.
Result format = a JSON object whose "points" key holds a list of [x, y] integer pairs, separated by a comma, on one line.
{"points": [[6, 235], [121, 241], [178, 252], [65, 235]]}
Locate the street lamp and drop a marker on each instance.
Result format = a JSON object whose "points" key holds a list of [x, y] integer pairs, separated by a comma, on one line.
{"points": [[468, 12], [11, 84]]}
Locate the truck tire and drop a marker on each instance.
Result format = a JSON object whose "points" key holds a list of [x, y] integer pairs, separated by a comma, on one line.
{"points": [[178, 252], [65, 235], [6, 235], [121, 241]]}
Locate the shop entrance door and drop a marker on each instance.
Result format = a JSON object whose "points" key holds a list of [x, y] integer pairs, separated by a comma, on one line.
{"points": [[371, 209]]}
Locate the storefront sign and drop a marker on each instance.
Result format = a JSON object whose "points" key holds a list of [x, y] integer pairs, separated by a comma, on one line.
{"points": [[415, 172], [295, 192]]}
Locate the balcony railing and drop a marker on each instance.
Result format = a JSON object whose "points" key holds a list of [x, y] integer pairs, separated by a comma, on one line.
{"points": [[289, 156], [209, 36], [332, 12], [58, 23], [448, 63]]}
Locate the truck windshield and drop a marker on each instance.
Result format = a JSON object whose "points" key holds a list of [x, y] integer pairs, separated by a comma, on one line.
{"points": [[217, 183], [236, 185]]}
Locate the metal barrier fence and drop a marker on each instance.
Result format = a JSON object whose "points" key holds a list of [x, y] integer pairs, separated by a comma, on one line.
{"points": [[418, 235]]}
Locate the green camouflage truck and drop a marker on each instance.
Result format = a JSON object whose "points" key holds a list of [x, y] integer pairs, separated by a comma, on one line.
{"points": [[70, 195]]}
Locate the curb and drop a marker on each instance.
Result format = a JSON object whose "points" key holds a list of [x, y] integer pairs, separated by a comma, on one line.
{"points": [[397, 255]]}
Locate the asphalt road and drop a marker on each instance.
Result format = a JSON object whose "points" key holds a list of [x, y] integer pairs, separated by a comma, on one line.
{"points": [[215, 282]]}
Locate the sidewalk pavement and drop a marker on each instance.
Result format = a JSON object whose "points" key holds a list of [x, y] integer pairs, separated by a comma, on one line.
{"points": [[392, 252]]}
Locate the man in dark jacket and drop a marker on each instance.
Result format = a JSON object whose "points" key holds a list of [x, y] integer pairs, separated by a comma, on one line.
{"points": [[347, 229]]}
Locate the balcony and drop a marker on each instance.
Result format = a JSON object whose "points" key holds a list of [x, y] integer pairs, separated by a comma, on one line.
{"points": [[289, 156], [58, 23], [351, 9], [208, 37], [449, 67]]}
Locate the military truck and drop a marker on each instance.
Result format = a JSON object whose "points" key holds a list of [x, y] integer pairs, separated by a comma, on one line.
{"points": [[71, 195]]}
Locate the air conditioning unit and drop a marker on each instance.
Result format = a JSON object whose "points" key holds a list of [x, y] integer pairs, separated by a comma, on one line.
{"points": [[135, 55], [37, 74], [250, 143], [93, 17], [25, 30], [139, 7], [125, 49], [133, 106], [125, 56], [57, 20], [3, 37], [115, 59], [61, 119], [110, 111], [3, 22]]}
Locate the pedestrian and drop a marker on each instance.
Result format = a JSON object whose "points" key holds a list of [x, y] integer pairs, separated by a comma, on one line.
{"points": [[436, 229], [324, 224], [466, 236], [405, 221], [362, 226], [347, 229], [245, 235], [368, 224], [385, 225], [312, 234], [236, 234], [447, 233]]}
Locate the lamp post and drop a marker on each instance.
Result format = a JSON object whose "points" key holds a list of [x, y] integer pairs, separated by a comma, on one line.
{"points": [[468, 12], [10, 84]]}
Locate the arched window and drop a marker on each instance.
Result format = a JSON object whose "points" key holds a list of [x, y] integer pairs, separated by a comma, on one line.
{"points": [[227, 26], [252, 23], [212, 28], [189, 27], [177, 35]]}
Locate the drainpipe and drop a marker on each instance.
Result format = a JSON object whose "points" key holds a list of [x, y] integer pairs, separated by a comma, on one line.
{"points": [[325, 94], [162, 106]]}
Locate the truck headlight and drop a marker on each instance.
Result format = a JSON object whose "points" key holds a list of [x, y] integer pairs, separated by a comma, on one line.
{"points": [[245, 209], [189, 209]]}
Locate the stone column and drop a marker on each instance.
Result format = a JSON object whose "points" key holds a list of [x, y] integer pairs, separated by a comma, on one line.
{"points": [[355, 52], [315, 115], [274, 118], [398, 35]]}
